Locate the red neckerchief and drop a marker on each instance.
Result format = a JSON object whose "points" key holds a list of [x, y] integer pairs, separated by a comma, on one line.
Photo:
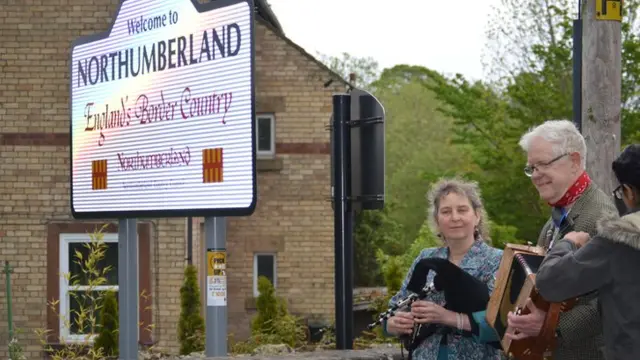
{"points": [[574, 191]]}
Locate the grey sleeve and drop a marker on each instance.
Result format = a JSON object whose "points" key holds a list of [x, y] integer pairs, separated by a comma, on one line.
{"points": [[566, 272]]}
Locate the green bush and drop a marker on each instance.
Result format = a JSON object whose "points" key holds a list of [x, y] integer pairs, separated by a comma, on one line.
{"points": [[270, 308], [273, 324], [504, 234], [191, 324], [107, 339]]}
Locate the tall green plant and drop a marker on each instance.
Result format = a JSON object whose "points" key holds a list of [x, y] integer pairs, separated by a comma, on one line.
{"points": [[273, 323], [107, 339], [191, 324], [92, 276], [270, 308]]}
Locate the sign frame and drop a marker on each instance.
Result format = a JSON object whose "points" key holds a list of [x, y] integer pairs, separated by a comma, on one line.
{"points": [[159, 213]]}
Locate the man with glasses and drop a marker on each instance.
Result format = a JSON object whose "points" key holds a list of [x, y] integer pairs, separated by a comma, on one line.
{"points": [[556, 164], [609, 263]]}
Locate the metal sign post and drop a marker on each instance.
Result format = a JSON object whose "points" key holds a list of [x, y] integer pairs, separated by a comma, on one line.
{"points": [[357, 181], [128, 299], [215, 230]]}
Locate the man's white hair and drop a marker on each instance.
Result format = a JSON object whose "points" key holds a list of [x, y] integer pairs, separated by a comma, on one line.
{"points": [[564, 136]]}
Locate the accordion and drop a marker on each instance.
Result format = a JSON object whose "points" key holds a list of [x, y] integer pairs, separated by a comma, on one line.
{"points": [[515, 283]]}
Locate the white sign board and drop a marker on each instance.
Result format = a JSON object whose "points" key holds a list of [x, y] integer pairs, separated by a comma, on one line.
{"points": [[216, 291], [162, 112]]}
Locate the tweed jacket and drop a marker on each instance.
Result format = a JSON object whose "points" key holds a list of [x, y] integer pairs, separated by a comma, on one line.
{"points": [[580, 328]]}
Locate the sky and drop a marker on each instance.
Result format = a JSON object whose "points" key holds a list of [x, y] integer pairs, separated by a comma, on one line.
{"points": [[415, 32]]}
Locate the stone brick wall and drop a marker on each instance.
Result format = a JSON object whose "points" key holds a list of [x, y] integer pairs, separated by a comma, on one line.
{"points": [[292, 216]]}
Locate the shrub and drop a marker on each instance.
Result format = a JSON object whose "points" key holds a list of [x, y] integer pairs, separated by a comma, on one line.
{"points": [[191, 325], [107, 339], [504, 234], [15, 349], [270, 308], [272, 324]]}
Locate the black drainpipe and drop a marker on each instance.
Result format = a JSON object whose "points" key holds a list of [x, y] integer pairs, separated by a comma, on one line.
{"points": [[189, 240]]}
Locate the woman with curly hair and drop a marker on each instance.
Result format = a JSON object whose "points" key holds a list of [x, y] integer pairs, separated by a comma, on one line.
{"points": [[458, 217]]}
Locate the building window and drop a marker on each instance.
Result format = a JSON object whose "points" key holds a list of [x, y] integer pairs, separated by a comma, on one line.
{"points": [[62, 240], [78, 289], [264, 265], [265, 135]]}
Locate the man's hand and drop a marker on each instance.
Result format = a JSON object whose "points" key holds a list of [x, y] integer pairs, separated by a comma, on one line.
{"points": [[526, 325], [578, 237], [401, 323]]}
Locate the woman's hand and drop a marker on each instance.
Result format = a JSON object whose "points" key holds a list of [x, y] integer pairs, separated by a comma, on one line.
{"points": [[400, 324], [425, 312]]}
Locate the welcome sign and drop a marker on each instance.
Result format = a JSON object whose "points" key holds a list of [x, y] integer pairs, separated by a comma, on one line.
{"points": [[162, 112]]}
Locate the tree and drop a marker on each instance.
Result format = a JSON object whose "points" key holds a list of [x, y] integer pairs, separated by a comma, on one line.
{"points": [[191, 323], [365, 68], [530, 81], [376, 230], [529, 50], [108, 337], [273, 324], [419, 145], [480, 144], [270, 308], [412, 117]]}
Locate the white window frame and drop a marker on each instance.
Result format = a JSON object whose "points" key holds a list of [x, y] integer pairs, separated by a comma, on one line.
{"points": [[272, 151], [64, 316], [255, 271]]}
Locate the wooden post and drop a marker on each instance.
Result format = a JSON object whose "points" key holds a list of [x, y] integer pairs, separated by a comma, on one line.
{"points": [[601, 87]]}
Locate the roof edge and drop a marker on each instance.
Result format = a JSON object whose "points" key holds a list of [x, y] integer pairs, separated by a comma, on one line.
{"points": [[265, 11], [301, 50]]}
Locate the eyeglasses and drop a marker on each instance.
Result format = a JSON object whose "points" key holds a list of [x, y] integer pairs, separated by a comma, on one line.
{"points": [[617, 192], [529, 169]]}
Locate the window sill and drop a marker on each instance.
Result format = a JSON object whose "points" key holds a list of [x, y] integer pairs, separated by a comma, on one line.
{"points": [[266, 164]]}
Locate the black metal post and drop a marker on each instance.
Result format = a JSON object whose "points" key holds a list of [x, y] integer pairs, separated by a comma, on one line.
{"points": [[189, 240], [343, 219], [577, 73]]}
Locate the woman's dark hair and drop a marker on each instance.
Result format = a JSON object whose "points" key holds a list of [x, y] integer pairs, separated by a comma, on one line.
{"points": [[627, 166]]}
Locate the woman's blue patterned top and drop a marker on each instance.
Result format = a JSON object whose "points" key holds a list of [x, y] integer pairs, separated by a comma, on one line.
{"points": [[481, 261]]}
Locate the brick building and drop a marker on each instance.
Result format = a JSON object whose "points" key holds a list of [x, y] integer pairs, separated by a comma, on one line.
{"points": [[289, 238]]}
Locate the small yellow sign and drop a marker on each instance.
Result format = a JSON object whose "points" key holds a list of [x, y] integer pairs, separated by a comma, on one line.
{"points": [[216, 263], [609, 10]]}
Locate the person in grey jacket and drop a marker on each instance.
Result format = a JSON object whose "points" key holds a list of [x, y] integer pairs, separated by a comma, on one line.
{"points": [[608, 262]]}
